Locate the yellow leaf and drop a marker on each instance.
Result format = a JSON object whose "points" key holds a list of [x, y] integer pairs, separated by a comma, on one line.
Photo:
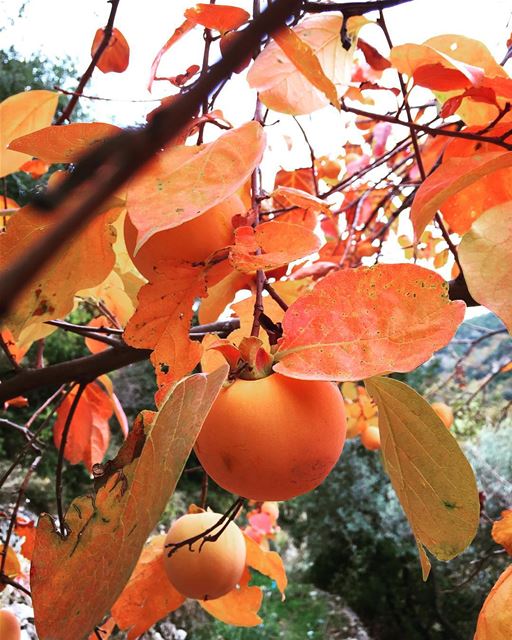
{"points": [[486, 257], [305, 60], [21, 114], [432, 479]]}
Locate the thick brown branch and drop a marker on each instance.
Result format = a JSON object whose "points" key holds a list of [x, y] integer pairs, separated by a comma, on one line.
{"points": [[108, 166], [351, 8], [95, 365]]}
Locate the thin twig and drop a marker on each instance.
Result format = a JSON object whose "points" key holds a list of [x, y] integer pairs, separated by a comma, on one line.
{"points": [[275, 296], [60, 459]]}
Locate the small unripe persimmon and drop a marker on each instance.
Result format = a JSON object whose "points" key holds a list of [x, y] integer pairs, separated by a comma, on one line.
{"points": [[444, 412], [273, 438], [192, 241], [370, 438], [209, 571], [9, 626]]}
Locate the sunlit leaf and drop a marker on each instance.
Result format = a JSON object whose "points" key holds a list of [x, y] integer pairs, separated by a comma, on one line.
{"points": [[177, 34], [239, 607], [184, 182], [65, 143], [162, 320], [148, 595], [451, 177], [432, 479], [283, 87], [107, 533], [357, 323], [12, 567], [295, 197], [21, 114], [270, 245], [221, 17], [269, 563], [83, 261], [486, 256], [495, 619], [116, 57], [305, 60]]}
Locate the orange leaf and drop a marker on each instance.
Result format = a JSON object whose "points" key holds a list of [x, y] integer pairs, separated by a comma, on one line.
{"points": [[283, 87], [65, 143], [301, 179], [26, 528], [184, 28], [290, 196], [95, 346], [107, 532], [89, 435], [12, 568], [168, 192], [116, 57], [239, 607], [116, 405], [148, 595], [84, 261], [16, 350], [450, 178], [220, 295], [221, 17], [502, 531], [162, 320], [270, 245], [305, 60], [485, 255], [358, 323], [495, 619], [18, 401], [21, 114], [36, 168], [269, 563], [105, 629]]}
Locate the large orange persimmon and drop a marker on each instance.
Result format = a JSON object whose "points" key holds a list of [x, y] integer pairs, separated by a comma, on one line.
{"points": [[9, 626], [273, 438], [193, 241], [444, 412], [209, 571]]}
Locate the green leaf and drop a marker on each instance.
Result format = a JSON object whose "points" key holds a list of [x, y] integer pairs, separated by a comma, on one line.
{"points": [[431, 476]]}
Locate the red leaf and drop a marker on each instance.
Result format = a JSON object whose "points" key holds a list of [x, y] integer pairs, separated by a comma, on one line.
{"points": [[358, 323], [116, 57], [89, 435], [375, 59]]}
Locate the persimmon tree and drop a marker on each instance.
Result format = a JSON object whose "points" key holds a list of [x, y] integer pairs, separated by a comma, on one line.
{"points": [[344, 271]]}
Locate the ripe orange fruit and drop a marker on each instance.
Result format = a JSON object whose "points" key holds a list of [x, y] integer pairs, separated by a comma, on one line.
{"points": [[192, 241], [273, 438], [444, 412], [370, 438], [214, 570], [9, 626]]}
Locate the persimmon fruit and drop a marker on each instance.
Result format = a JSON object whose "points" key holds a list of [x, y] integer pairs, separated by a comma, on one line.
{"points": [[273, 438], [444, 412], [192, 241], [9, 626], [209, 571], [370, 438]]}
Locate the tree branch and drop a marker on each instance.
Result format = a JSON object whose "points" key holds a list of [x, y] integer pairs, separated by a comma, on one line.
{"points": [[95, 365], [351, 8], [108, 167]]}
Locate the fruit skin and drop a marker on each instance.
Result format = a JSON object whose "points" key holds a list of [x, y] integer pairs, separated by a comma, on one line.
{"points": [[273, 438], [211, 572], [192, 241], [370, 438], [444, 412], [9, 626]]}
